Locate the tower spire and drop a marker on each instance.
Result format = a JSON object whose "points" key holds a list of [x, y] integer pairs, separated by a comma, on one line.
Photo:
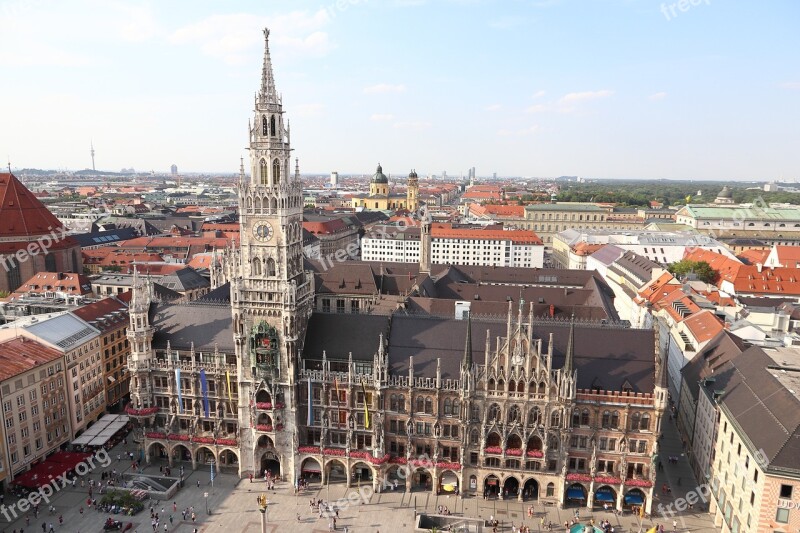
{"points": [[467, 362], [570, 353], [268, 92]]}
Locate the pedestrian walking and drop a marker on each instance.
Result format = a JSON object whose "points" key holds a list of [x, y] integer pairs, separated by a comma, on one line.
{"points": [[198, 483]]}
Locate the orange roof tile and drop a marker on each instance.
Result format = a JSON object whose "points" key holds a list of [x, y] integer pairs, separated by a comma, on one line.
{"points": [[446, 231], [751, 257], [704, 325], [20, 355]]}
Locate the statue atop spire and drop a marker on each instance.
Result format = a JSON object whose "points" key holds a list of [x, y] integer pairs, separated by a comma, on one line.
{"points": [[268, 92]]}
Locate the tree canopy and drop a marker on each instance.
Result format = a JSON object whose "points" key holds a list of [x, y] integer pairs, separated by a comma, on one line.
{"points": [[700, 269]]}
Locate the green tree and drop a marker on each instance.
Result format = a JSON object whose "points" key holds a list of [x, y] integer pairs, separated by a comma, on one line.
{"points": [[700, 269]]}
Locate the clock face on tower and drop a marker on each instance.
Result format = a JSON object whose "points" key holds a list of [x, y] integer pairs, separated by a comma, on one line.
{"points": [[262, 231]]}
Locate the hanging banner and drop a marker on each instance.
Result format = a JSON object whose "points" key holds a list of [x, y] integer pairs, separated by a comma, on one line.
{"points": [[178, 385], [309, 402], [230, 394], [366, 405], [204, 389]]}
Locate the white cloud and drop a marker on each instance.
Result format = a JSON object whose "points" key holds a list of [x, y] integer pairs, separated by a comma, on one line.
{"points": [[505, 23], [790, 85], [234, 38], [538, 94], [537, 108], [412, 125], [381, 116], [493, 107], [584, 96], [383, 88], [519, 133], [51, 34], [309, 110], [657, 96]]}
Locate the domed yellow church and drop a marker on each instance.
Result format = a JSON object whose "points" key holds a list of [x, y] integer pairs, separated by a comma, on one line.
{"points": [[380, 199]]}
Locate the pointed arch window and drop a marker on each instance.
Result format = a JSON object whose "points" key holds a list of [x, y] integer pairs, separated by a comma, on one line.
{"points": [[494, 412], [420, 404], [263, 172], [272, 125], [50, 263], [448, 407], [264, 127], [645, 423], [276, 171], [513, 414], [256, 266], [534, 416], [14, 274], [270, 267], [456, 408], [428, 406]]}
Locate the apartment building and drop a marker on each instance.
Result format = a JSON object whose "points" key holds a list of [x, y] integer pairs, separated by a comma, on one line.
{"points": [[454, 245], [79, 344], [547, 220], [755, 478], [572, 247], [33, 393], [110, 317]]}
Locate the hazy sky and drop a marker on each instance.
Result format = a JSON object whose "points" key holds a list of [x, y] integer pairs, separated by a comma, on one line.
{"points": [[595, 88]]}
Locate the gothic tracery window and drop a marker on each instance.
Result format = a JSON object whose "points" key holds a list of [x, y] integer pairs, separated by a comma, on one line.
{"points": [[263, 172], [264, 130], [272, 125], [276, 171]]}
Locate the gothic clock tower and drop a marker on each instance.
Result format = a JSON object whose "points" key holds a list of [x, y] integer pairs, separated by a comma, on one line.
{"points": [[271, 295]]}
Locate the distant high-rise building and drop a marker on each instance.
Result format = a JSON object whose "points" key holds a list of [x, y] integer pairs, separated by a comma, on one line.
{"points": [[334, 179], [173, 170], [91, 144], [494, 175]]}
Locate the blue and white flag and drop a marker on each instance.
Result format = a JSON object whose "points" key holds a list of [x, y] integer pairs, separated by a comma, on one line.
{"points": [[178, 384], [212, 473]]}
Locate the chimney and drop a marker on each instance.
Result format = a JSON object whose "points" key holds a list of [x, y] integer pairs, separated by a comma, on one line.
{"points": [[759, 267]]}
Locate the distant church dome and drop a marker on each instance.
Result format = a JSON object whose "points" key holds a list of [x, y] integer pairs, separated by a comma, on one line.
{"points": [[379, 176], [725, 193], [412, 174]]}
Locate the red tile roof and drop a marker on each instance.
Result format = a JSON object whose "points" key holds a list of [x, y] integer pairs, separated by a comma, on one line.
{"points": [[704, 325], [752, 257], [327, 227], [788, 256], [585, 248], [446, 231], [74, 284], [751, 279], [20, 355], [102, 314], [21, 213]]}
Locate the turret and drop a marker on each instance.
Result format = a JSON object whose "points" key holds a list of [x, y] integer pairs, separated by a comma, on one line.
{"points": [[466, 361]]}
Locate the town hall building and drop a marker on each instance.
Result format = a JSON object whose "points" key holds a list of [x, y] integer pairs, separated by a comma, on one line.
{"points": [[506, 382]]}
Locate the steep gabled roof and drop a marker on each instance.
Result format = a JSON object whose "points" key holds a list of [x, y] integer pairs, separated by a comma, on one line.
{"points": [[21, 213]]}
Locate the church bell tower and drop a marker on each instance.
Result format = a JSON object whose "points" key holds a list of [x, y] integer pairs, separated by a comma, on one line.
{"points": [[271, 295]]}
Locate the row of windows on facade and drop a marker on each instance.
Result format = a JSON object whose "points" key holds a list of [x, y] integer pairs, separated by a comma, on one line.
{"points": [[26, 450], [558, 216], [23, 417], [355, 306], [7, 405], [163, 382]]}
